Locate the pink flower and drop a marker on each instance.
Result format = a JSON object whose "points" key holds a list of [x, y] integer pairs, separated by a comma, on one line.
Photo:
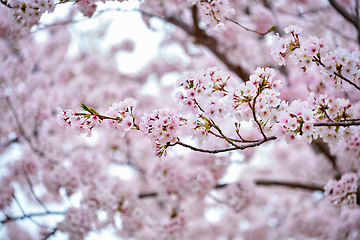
{"points": [[127, 123], [294, 29]]}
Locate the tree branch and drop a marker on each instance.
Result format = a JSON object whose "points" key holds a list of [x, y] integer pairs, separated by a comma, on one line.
{"points": [[33, 193], [320, 146], [354, 19], [347, 80], [260, 182], [5, 3], [344, 13], [250, 30], [208, 41], [240, 147], [21, 129], [337, 124], [30, 215], [290, 184], [50, 234]]}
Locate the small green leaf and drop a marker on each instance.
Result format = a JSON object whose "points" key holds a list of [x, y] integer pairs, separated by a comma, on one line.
{"points": [[215, 126], [271, 29], [84, 108], [93, 111], [88, 109], [191, 85]]}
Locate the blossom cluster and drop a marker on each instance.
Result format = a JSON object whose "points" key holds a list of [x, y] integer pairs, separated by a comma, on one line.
{"points": [[343, 192], [348, 152], [26, 13], [206, 96], [87, 7], [209, 95], [298, 118], [82, 123], [121, 116], [295, 119], [338, 65], [257, 99], [161, 127], [214, 12]]}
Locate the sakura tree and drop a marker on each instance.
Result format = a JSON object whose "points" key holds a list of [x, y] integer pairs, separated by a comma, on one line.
{"points": [[270, 86]]}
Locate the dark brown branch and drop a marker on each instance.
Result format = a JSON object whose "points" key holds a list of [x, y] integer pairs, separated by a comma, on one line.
{"points": [[211, 43], [320, 146], [150, 194], [347, 80], [5, 3], [205, 150], [241, 147], [50, 234], [16, 139], [260, 182], [195, 17], [222, 134], [290, 184], [337, 124], [344, 13]]}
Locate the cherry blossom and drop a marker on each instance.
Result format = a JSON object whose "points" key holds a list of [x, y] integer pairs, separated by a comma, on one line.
{"points": [[258, 138]]}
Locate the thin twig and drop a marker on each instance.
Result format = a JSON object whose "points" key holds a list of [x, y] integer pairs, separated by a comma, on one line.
{"points": [[240, 147], [222, 134], [21, 129], [204, 150], [317, 59], [326, 114], [5, 3], [50, 234], [23, 212], [248, 29], [344, 13], [254, 114], [347, 80], [236, 140], [30, 215], [33, 193]]}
